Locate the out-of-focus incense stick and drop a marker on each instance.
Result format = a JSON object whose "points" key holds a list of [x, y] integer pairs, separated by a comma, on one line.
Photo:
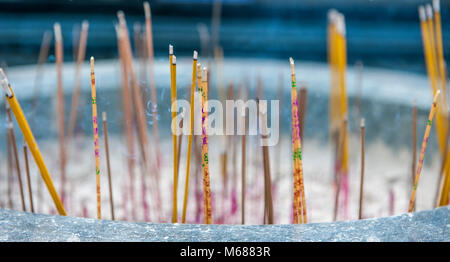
{"points": [[266, 161], [95, 127], [174, 131], [27, 169], [205, 158], [43, 56], [28, 135], [77, 85], [422, 151], [191, 131], [243, 169], [361, 186], [339, 174], [12, 138], [108, 163]]}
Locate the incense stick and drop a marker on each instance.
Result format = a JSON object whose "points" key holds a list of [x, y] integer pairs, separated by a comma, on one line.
{"points": [[43, 55], [243, 168], [299, 204], [77, 85], [28, 135], [128, 119], [205, 158], [27, 169], [59, 53], [191, 130], [361, 186], [108, 164], [174, 132], [12, 137], [9, 170], [95, 127], [422, 151], [266, 161], [341, 142], [414, 142]]}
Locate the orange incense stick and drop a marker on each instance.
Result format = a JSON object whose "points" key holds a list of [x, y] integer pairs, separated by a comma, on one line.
{"points": [[191, 130], [422, 151], [299, 194], [43, 56], [243, 169], [205, 159], [61, 111], [95, 127]]}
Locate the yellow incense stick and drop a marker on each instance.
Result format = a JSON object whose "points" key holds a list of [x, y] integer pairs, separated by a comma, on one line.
{"points": [[95, 127], [28, 135], [422, 151], [205, 158], [191, 129], [173, 89]]}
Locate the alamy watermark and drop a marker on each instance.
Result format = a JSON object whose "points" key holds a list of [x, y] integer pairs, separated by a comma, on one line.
{"points": [[235, 112]]}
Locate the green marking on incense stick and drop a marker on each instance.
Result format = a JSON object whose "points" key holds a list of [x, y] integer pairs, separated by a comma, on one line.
{"points": [[293, 84], [93, 100], [98, 171], [298, 154], [429, 122]]}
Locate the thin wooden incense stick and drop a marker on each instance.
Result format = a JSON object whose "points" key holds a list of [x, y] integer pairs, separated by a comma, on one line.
{"points": [[95, 132], [414, 140], [9, 170], [154, 108], [27, 169], [361, 186], [59, 53], [28, 135], [12, 138], [43, 56], [108, 163], [191, 130], [266, 161], [422, 151], [243, 168], [81, 51], [128, 118], [205, 158], [339, 174], [299, 194], [174, 136]]}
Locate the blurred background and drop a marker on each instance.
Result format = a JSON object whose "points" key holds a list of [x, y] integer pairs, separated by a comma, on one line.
{"points": [[380, 33]]}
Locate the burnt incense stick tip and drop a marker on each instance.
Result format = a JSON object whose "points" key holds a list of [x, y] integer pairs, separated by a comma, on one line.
{"points": [[421, 10], [174, 60], [291, 61], [363, 122], [5, 83], [170, 49], [332, 15], [340, 24], [195, 55], [436, 96], [57, 29], [147, 10], [436, 6], [104, 116], [429, 11], [204, 74], [84, 25], [92, 64]]}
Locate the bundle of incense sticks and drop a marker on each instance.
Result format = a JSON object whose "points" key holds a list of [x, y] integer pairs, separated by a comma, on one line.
{"points": [[205, 160], [299, 192], [337, 58], [59, 53], [29, 138], [432, 44], [422, 151]]}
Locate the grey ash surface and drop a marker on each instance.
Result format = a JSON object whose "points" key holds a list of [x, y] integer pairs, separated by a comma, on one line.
{"points": [[430, 225]]}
